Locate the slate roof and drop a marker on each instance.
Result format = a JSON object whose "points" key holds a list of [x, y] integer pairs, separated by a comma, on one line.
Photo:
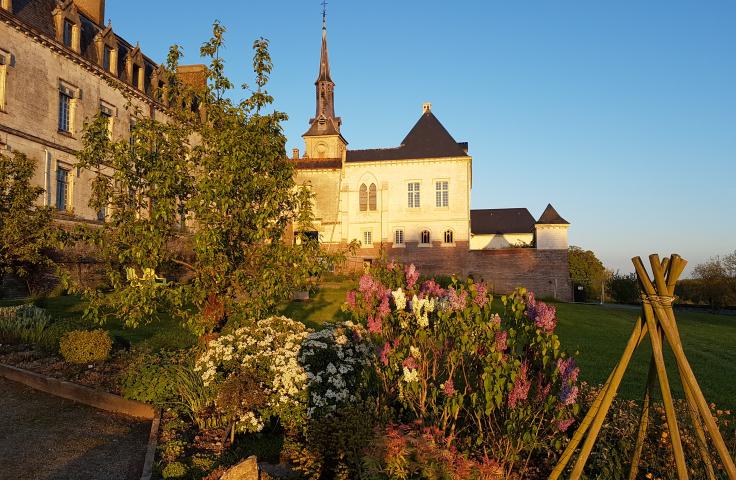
{"points": [[38, 14], [551, 217], [322, 126], [428, 139], [501, 221], [317, 163]]}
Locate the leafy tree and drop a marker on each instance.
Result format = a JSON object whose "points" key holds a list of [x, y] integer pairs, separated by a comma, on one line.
{"points": [[623, 288], [715, 284], [587, 270], [27, 232], [221, 171]]}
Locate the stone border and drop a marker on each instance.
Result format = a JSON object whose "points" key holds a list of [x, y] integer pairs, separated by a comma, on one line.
{"points": [[101, 400]]}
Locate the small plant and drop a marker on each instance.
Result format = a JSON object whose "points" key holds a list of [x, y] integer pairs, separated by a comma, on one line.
{"points": [[174, 470], [81, 346], [23, 324]]}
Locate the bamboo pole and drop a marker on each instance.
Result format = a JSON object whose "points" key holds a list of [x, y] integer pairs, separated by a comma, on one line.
{"points": [[687, 374], [644, 420], [638, 335]]}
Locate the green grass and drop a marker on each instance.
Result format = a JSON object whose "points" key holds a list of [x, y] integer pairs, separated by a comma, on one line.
{"points": [[322, 306]]}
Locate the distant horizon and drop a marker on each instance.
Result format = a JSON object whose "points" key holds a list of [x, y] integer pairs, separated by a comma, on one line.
{"points": [[622, 116]]}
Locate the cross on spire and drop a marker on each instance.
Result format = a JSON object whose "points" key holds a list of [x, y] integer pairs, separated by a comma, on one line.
{"points": [[324, 13]]}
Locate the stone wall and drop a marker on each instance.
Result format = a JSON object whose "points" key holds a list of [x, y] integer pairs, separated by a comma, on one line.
{"points": [[545, 272]]}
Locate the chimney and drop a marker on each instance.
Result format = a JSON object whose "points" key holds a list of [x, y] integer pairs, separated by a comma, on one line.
{"points": [[426, 107], [295, 153], [93, 9]]}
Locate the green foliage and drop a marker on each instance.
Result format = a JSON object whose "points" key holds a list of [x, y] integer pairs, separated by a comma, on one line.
{"points": [[586, 270], [623, 288], [27, 233], [53, 333], [81, 346], [174, 470], [23, 324], [149, 378], [715, 281], [233, 183]]}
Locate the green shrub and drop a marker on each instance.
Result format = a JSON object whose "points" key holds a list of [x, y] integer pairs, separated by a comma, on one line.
{"points": [[23, 324], [170, 340], [150, 378], [623, 288], [81, 346], [56, 329], [174, 470]]}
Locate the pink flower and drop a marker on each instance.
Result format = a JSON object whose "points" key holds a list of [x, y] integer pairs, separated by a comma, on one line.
{"points": [[457, 302], [374, 325], [410, 363], [520, 391], [543, 388], [384, 308], [385, 352], [563, 425], [496, 320], [501, 340], [568, 394], [412, 275], [350, 299], [544, 316], [481, 294], [432, 288], [449, 387], [568, 369]]}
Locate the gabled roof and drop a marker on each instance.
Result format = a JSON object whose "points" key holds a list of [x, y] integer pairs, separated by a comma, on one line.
{"points": [[501, 221], [551, 217], [428, 139], [322, 126]]}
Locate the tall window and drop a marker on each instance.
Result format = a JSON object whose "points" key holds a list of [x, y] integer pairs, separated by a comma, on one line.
{"points": [[106, 56], [367, 238], [372, 197], [102, 214], [441, 193], [424, 237], [449, 237], [67, 33], [65, 109], [413, 191], [4, 61], [106, 112], [62, 189], [136, 80], [363, 197], [399, 236]]}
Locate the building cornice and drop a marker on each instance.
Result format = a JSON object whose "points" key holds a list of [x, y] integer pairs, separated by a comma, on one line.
{"points": [[408, 160]]}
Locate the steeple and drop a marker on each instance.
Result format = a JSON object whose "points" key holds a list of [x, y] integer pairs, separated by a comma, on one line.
{"points": [[323, 137]]}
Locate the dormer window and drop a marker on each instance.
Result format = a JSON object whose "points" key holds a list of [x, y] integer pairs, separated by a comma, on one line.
{"points": [[106, 44], [106, 55], [136, 80], [68, 25], [135, 68], [7, 5]]}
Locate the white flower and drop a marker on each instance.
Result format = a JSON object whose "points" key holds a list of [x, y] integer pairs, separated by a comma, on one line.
{"points": [[414, 351], [399, 299], [410, 375]]}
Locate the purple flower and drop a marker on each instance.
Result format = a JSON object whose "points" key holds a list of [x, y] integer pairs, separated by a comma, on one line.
{"points": [[350, 299], [568, 394], [563, 425], [366, 285], [544, 316], [384, 308], [432, 288], [520, 391], [501, 340], [412, 275], [457, 302], [568, 369], [374, 325], [481, 294]]}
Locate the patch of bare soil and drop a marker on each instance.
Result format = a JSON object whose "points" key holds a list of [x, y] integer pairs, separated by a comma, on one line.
{"points": [[43, 437]]}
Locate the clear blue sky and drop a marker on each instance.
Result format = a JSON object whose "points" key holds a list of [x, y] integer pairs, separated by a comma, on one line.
{"points": [[621, 114]]}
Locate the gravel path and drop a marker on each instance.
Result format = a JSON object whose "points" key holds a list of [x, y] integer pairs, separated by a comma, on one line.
{"points": [[43, 437]]}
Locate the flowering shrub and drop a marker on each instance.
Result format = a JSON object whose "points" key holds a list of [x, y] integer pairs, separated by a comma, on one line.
{"points": [[495, 383], [334, 360], [268, 350]]}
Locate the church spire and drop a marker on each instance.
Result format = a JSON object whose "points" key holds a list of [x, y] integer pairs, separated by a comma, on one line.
{"points": [[324, 122]]}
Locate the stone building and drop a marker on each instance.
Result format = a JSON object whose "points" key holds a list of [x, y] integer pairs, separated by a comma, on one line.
{"points": [[412, 203], [60, 65]]}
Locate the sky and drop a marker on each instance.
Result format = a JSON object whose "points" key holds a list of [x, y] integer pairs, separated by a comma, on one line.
{"points": [[621, 114]]}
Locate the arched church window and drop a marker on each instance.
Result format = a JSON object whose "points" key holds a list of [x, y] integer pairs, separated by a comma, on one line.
{"points": [[424, 237], [372, 197], [449, 237], [363, 198]]}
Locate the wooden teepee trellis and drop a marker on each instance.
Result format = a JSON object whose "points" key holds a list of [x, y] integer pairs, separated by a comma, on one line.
{"points": [[657, 319]]}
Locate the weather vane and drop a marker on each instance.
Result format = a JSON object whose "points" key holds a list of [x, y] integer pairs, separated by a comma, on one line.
{"points": [[324, 12]]}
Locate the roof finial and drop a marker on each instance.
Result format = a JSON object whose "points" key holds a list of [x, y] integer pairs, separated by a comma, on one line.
{"points": [[324, 14]]}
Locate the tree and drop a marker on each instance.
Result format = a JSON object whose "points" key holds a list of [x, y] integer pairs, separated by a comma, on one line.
{"points": [[27, 232], [716, 284], [623, 288], [223, 171], [587, 270]]}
